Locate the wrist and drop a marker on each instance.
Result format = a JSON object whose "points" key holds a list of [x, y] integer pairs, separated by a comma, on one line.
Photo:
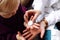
{"points": [[46, 23]]}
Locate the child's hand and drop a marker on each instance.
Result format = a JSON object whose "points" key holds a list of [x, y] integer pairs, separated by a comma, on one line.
{"points": [[30, 34], [19, 36], [41, 27]]}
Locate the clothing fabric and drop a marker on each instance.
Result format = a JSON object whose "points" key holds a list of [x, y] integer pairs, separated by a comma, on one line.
{"points": [[10, 26], [49, 8]]}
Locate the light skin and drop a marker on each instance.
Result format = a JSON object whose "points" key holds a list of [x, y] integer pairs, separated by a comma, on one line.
{"points": [[31, 12], [19, 36], [35, 13], [31, 33]]}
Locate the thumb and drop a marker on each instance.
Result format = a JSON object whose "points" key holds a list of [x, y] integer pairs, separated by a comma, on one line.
{"points": [[35, 16], [18, 33], [42, 32]]}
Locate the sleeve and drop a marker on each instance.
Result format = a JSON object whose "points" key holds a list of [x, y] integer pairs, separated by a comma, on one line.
{"points": [[40, 5], [53, 17], [37, 4], [6, 33], [3, 29]]}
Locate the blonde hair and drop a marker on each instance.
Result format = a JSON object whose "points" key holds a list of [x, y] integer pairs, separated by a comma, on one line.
{"points": [[8, 5], [24, 2]]}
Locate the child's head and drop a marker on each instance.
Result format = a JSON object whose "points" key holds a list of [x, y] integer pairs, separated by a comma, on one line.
{"points": [[9, 6]]}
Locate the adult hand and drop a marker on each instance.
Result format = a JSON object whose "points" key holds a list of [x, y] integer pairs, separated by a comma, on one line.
{"points": [[30, 13], [31, 33]]}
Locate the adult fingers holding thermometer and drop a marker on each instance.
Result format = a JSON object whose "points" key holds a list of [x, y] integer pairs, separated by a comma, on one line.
{"points": [[30, 17]]}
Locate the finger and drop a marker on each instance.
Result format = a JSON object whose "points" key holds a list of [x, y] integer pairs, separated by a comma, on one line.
{"points": [[26, 17], [35, 27], [32, 12], [31, 27], [19, 33], [27, 14], [42, 33], [25, 34], [26, 25], [37, 13], [36, 24], [31, 18], [26, 30], [35, 16], [31, 38], [29, 35]]}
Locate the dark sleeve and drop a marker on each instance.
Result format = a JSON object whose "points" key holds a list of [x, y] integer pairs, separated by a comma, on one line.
{"points": [[9, 36], [3, 29], [6, 33]]}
